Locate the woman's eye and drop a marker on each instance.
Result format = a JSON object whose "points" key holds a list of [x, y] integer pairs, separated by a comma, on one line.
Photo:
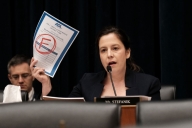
{"points": [[103, 50], [115, 48]]}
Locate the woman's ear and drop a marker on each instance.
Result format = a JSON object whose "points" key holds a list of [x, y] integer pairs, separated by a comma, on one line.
{"points": [[128, 53]]}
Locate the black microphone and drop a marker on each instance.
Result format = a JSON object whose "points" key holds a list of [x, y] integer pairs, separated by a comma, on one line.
{"points": [[109, 69], [24, 95]]}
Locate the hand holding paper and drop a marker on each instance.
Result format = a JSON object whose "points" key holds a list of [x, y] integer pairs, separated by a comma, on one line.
{"points": [[39, 74]]}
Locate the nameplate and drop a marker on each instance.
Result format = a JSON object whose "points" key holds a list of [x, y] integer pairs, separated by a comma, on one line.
{"points": [[118, 100]]}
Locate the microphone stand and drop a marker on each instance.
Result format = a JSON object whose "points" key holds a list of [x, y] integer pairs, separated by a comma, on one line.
{"points": [[109, 70]]}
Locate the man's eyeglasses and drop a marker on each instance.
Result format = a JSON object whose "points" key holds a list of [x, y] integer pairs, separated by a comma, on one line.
{"points": [[24, 76]]}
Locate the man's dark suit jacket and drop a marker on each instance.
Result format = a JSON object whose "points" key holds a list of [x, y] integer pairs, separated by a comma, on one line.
{"points": [[91, 86], [37, 94]]}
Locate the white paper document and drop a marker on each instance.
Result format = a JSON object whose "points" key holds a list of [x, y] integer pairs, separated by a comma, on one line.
{"points": [[12, 93], [76, 99], [52, 39]]}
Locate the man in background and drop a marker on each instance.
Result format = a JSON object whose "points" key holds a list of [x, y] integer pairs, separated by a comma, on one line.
{"points": [[19, 74]]}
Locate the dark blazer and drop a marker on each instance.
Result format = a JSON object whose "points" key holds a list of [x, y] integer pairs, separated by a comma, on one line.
{"points": [[91, 86], [37, 94]]}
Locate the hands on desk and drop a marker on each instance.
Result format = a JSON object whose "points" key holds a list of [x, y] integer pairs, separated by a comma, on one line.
{"points": [[39, 74]]}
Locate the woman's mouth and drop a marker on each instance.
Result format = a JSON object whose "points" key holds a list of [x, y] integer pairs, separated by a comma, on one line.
{"points": [[111, 63]]}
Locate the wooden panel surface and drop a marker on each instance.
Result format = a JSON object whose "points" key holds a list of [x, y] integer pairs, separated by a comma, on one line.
{"points": [[128, 115]]}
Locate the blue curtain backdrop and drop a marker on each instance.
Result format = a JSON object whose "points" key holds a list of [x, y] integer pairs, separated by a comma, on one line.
{"points": [[160, 32]]}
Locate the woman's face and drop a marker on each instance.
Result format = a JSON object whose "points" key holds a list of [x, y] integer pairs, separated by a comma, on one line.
{"points": [[112, 52]]}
